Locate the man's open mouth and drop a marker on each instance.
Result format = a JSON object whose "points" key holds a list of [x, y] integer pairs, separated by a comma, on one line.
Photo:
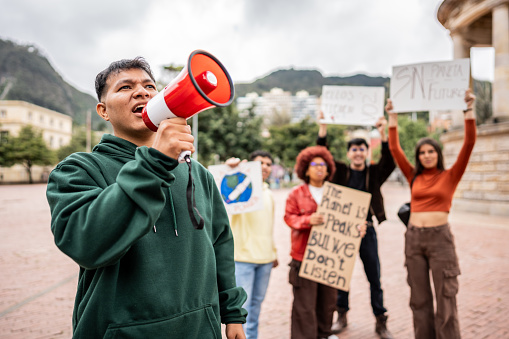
{"points": [[138, 109]]}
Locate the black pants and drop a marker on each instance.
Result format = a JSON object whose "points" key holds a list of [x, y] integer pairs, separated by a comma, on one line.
{"points": [[368, 253]]}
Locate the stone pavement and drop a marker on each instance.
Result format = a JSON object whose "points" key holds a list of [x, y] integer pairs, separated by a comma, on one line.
{"points": [[38, 282]]}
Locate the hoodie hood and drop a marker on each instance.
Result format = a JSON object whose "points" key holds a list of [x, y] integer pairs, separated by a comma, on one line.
{"points": [[116, 147]]}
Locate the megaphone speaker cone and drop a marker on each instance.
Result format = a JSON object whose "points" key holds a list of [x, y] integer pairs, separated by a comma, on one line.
{"points": [[200, 62], [202, 84]]}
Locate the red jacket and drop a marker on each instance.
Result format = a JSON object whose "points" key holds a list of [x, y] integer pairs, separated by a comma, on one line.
{"points": [[299, 207]]}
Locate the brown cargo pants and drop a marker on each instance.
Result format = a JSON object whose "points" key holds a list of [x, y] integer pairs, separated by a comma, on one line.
{"points": [[432, 248], [313, 306]]}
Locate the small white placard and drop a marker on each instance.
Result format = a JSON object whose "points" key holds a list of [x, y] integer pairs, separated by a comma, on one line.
{"points": [[430, 86], [240, 187], [352, 105]]}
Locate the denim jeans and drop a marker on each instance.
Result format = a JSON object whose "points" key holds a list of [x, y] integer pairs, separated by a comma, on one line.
{"points": [[254, 279], [368, 253]]}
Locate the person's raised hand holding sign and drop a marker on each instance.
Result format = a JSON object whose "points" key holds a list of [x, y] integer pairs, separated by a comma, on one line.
{"points": [[380, 126], [366, 176]]}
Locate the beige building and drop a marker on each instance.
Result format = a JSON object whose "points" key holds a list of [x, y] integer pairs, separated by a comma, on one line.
{"points": [[485, 185], [56, 131], [56, 127]]}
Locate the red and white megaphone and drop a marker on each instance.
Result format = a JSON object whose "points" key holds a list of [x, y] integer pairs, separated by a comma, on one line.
{"points": [[202, 84]]}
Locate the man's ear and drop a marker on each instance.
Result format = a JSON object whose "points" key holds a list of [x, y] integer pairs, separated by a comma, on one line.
{"points": [[101, 110]]}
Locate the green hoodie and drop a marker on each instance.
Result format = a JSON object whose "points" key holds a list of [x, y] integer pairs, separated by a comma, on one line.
{"points": [[120, 212]]}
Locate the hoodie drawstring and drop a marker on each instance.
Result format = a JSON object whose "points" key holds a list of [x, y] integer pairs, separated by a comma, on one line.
{"points": [[173, 212], [191, 200]]}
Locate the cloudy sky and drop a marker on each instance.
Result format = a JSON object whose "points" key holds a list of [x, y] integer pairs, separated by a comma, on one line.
{"points": [[250, 37]]}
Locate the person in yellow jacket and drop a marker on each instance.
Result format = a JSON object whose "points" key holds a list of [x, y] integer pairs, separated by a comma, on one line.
{"points": [[254, 247]]}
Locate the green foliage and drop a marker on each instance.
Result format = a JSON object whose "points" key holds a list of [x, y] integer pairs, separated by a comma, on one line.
{"points": [[285, 142], [78, 143], [336, 141], [5, 141], [224, 133], [25, 74], [376, 154], [28, 149], [410, 132]]}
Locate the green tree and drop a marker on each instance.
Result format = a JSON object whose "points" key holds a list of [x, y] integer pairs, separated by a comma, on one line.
{"points": [[410, 132], [223, 133], [28, 149], [78, 143], [4, 148], [285, 142]]}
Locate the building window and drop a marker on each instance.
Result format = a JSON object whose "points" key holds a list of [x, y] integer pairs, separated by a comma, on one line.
{"points": [[51, 122], [41, 119], [30, 115], [3, 114], [3, 136]]}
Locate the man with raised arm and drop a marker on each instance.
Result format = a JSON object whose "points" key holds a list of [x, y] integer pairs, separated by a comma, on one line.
{"points": [[121, 214], [359, 174]]}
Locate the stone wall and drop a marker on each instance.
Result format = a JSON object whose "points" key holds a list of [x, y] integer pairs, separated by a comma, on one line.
{"points": [[484, 187], [17, 174]]}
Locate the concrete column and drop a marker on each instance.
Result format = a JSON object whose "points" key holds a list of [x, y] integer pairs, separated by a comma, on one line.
{"points": [[461, 50], [501, 44]]}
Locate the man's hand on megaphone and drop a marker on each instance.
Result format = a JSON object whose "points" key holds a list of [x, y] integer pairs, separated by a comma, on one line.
{"points": [[173, 137]]}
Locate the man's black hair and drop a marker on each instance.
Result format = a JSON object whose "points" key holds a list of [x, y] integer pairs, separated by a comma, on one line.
{"points": [[357, 142], [115, 68], [260, 153]]}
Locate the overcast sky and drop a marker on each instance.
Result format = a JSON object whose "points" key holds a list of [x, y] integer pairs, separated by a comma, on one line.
{"points": [[250, 37]]}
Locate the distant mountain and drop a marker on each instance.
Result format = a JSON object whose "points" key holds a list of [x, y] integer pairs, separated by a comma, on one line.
{"points": [[310, 80], [25, 74]]}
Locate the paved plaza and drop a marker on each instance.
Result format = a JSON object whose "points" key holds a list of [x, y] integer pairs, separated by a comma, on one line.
{"points": [[38, 282]]}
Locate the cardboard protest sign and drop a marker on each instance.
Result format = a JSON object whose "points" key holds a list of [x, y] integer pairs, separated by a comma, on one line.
{"points": [[430, 86], [240, 187], [352, 105], [332, 247]]}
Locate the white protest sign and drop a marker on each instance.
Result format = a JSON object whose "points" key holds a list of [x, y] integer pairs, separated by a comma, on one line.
{"points": [[430, 86], [331, 250], [240, 187], [352, 105]]}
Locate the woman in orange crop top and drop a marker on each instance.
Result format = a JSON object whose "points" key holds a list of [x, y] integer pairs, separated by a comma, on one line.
{"points": [[429, 243]]}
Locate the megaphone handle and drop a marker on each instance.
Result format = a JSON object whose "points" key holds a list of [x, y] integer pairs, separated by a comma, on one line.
{"points": [[182, 156]]}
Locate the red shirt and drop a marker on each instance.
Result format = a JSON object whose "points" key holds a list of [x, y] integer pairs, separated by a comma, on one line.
{"points": [[433, 189], [299, 207]]}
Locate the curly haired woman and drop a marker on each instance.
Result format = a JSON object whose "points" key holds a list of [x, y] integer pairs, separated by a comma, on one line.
{"points": [[313, 303]]}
